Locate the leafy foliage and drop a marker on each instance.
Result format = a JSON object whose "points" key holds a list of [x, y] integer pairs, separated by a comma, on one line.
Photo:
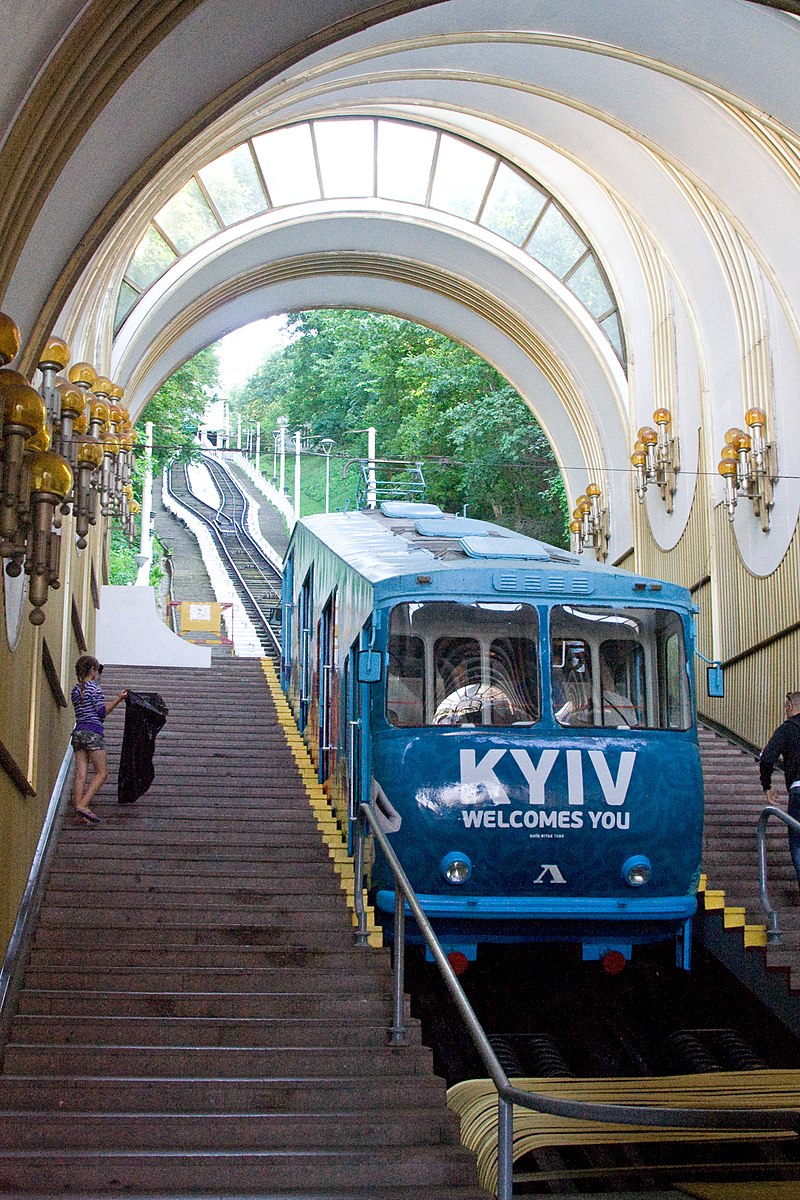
{"points": [[176, 410], [122, 565], [428, 398]]}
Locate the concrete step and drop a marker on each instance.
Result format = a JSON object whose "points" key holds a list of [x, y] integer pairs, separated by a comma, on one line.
{"points": [[118, 1170], [214, 1062], [235, 1131], [304, 1003], [294, 1093], [317, 882], [201, 1031], [305, 908], [188, 934], [193, 980], [196, 956]]}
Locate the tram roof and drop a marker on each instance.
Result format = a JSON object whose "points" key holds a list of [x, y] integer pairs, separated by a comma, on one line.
{"points": [[400, 539]]}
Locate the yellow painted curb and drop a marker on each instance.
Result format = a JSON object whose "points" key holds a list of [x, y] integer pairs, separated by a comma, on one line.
{"points": [[734, 916], [324, 816]]}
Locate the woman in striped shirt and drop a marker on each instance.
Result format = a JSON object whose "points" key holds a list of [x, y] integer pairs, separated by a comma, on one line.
{"points": [[88, 742]]}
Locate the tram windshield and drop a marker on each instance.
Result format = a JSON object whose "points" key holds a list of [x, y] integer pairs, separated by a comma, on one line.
{"points": [[619, 667], [463, 664]]}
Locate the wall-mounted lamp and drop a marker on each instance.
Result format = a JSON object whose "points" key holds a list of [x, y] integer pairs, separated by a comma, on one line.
{"points": [[39, 485], [589, 525], [656, 458], [749, 467], [33, 478]]}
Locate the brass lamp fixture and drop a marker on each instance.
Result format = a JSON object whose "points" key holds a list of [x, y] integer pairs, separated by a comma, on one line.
{"points": [[89, 459], [749, 467], [24, 417], [55, 357], [656, 458], [33, 478], [51, 480], [39, 485], [589, 528]]}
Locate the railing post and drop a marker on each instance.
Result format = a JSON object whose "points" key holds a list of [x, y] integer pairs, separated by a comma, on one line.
{"points": [[773, 932], [398, 1032], [362, 935], [505, 1146]]}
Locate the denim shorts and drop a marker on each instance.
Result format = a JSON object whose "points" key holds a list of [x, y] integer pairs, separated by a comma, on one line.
{"points": [[87, 739]]}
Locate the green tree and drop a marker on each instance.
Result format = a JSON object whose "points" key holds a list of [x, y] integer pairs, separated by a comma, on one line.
{"points": [[428, 398], [177, 408]]}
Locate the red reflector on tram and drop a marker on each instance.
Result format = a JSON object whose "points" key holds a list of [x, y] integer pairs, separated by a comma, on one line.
{"points": [[458, 961], [613, 962]]}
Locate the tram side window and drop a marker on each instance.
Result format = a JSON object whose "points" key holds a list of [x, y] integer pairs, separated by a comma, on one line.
{"points": [[674, 700], [405, 685]]}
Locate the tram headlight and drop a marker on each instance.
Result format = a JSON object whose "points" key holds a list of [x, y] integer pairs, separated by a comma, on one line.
{"points": [[636, 870], [456, 867]]}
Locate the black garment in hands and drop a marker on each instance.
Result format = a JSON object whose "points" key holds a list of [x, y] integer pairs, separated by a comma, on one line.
{"points": [[145, 714]]}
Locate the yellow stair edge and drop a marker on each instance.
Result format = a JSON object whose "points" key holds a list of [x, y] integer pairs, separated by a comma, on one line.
{"points": [[324, 816], [734, 916]]}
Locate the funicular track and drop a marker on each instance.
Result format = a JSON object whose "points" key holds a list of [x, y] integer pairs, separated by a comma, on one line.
{"points": [[257, 581]]}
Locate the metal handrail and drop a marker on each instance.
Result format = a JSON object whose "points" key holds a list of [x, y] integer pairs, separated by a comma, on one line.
{"points": [[771, 810], [22, 934], [508, 1096]]}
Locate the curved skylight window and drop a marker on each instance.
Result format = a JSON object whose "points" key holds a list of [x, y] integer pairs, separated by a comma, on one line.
{"points": [[365, 157]]}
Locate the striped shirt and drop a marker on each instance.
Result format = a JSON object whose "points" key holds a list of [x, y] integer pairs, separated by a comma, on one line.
{"points": [[90, 706]]}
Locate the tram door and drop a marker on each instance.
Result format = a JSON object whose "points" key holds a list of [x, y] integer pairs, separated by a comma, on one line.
{"points": [[354, 742], [326, 660], [304, 614]]}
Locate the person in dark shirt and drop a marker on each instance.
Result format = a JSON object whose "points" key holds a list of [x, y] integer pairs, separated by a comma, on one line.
{"points": [[87, 738], [785, 744]]}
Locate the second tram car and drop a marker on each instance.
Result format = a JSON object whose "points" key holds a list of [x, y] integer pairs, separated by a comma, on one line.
{"points": [[522, 720]]}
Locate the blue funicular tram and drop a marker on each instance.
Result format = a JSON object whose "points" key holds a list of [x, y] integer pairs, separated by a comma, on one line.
{"points": [[523, 720]]}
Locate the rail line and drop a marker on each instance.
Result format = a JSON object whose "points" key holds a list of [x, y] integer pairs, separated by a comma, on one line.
{"points": [[256, 580]]}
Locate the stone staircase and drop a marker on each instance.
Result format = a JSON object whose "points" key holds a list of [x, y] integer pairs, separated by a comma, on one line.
{"points": [[733, 804], [195, 1016]]}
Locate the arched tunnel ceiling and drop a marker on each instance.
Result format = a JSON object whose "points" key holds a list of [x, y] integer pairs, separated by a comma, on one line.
{"points": [[657, 127]]}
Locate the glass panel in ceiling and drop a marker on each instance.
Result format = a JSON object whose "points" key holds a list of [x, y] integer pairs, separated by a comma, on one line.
{"points": [[589, 286], [286, 158], [513, 205], [405, 155], [232, 183], [186, 219], [346, 152], [150, 258], [125, 301], [611, 328], [460, 179], [555, 244]]}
